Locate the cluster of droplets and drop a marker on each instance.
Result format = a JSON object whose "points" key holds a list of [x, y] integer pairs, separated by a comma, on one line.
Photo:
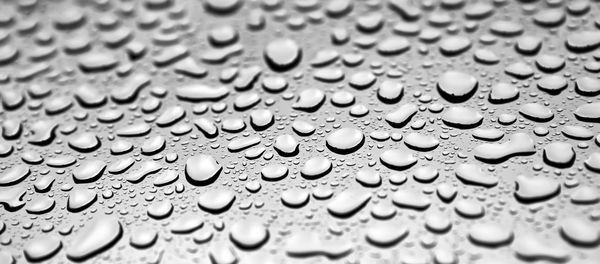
{"points": [[231, 131]]}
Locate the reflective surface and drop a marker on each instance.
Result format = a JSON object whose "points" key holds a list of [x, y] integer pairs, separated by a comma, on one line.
{"points": [[224, 131]]}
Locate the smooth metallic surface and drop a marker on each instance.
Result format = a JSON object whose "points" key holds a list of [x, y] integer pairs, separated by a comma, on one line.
{"points": [[301, 131]]}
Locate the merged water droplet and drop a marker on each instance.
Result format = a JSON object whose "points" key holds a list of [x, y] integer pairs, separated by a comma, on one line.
{"points": [[98, 236]]}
